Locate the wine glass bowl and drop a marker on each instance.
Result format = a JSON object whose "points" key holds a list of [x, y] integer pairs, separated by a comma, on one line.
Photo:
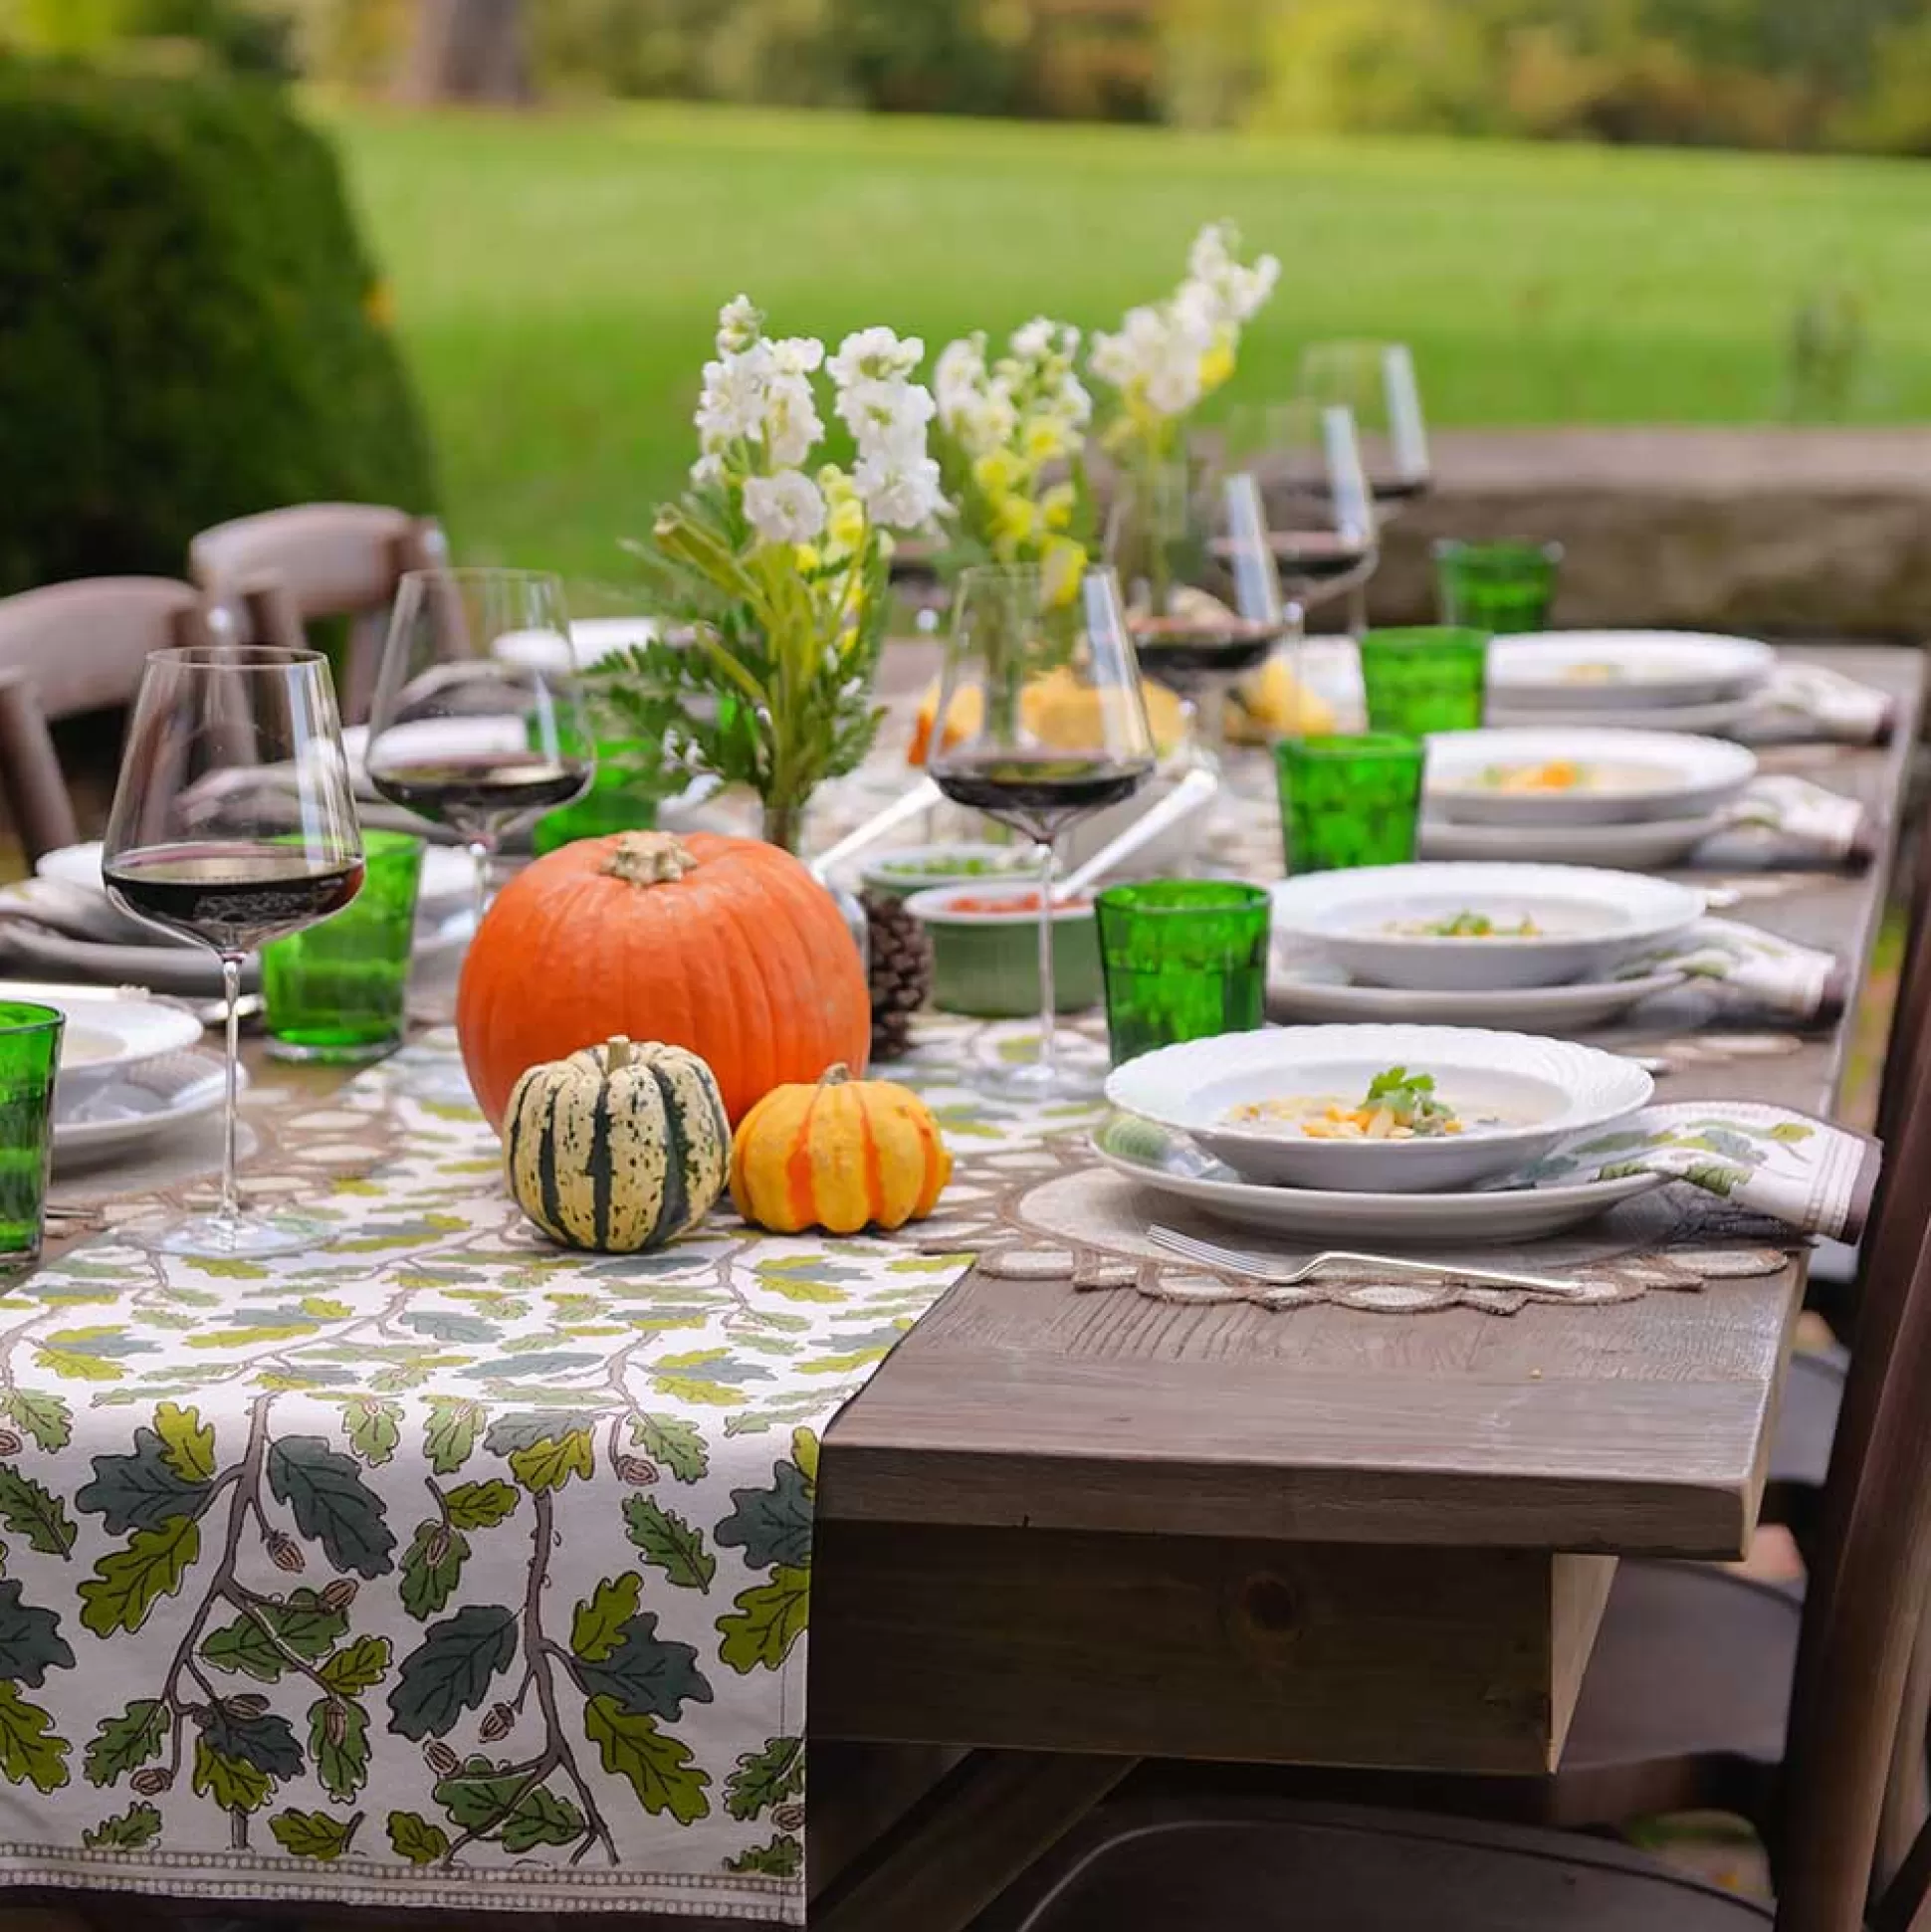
{"points": [[477, 720], [1374, 382], [1051, 726], [233, 824]]}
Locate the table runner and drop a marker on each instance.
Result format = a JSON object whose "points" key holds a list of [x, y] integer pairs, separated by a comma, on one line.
{"points": [[434, 1567]]}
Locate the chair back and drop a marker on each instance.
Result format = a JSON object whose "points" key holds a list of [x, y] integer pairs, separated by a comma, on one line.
{"points": [[1865, 1607], [69, 648], [282, 569]]}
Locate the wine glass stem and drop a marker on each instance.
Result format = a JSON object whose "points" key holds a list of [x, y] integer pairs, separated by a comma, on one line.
{"points": [[1210, 716], [481, 852], [1048, 994], [231, 967]]}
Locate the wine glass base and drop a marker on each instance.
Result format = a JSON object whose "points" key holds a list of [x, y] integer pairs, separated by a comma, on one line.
{"points": [[217, 1236], [1069, 1078]]}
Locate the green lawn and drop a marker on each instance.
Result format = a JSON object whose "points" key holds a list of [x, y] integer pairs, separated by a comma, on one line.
{"points": [[556, 276]]}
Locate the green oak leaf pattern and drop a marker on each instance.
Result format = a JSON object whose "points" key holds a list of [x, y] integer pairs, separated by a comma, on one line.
{"points": [[424, 1553]]}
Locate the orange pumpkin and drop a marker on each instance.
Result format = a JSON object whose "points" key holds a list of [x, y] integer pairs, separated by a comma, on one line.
{"points": [[724, 945], [840, 1154]]}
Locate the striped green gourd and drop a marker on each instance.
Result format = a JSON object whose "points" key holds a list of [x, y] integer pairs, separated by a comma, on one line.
{"points": [[618, 1148]]}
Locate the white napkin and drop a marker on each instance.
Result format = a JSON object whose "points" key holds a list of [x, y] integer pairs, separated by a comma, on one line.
{"points": [[1753, 968], [1812, 702], [1784, 820]]}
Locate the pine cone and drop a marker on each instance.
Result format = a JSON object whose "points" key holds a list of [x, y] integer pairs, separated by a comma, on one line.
{"points": [[901, 971]]}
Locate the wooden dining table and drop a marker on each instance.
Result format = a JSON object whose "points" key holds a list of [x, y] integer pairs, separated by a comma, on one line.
{"points": [[1059, 1532], [1071, 1531]]}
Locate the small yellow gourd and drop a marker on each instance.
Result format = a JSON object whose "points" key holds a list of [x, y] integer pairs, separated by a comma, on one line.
{"points": [[842, 1155], [618, 1148]]}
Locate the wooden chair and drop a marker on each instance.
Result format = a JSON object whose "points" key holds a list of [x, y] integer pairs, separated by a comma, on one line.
{"points": [[1806, 1421], [1686, 1702], [68, 649], [1261, 1865], [280, 570]]}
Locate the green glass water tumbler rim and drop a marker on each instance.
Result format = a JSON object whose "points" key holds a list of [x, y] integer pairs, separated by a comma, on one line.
{"points": [[1345, 748], [1201, 917], [39, 1018], [1507, 559]]}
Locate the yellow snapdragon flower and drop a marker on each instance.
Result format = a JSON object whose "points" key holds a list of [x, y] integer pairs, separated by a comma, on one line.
{"points": [[1047, 439], [1014, 517], [846, 525], [998, 472], [1057, 505], [807, 556], [1062, 563], [1217, 365]]}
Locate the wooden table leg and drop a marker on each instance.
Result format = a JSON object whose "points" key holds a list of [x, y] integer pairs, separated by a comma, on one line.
{"points": [[955, 1852]]}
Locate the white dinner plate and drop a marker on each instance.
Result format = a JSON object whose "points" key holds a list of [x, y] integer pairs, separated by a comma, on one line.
{"points": [[108, 1034], [1169, 1164], [1715, 720], [1367, 920], [1582, 671], [1521, 1095], [1304, 992], [1624, 776], [145, 1104], [1648, 845]]}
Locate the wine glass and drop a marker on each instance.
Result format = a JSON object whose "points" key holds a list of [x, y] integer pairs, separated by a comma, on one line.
{"points": [[1204, 602], [477, 720], [1060, 730], [234, 824], [1376, 381], [1323, 532]]}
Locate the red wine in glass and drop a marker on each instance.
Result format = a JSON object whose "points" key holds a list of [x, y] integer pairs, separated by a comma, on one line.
{"points": [[231, 894], [482, 789], [1039, 795]]}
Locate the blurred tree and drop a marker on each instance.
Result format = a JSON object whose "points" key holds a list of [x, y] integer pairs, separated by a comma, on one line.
{"points": [[468, 50], [249, 36], [1212, 55]]}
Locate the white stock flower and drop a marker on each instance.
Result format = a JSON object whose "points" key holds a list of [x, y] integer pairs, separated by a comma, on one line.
{"points": [[791, 423], [901, 490], [886, 415], [731, 404], [798, 354], [784, 508], [1034, 340], [737, 325], [707, 470], [878, 354], [959, 376]]}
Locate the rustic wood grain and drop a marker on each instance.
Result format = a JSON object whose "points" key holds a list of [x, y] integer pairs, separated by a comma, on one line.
{"points": [[1202, 1647], [1641, 1427]]}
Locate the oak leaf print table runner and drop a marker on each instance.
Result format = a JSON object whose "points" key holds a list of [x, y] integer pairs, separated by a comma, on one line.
{"points": [[436, 1565]]}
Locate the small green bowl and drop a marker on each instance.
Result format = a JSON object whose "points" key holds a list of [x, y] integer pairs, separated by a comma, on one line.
{"points": [[986, 963], [906, 869]]}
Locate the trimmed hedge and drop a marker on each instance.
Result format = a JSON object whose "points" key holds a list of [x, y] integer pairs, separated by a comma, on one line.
{"points": [[191, 328]]}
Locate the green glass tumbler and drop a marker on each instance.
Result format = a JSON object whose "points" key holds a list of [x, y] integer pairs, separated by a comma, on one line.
{"points": [[334, 993], [30, 1057], [1496, 587], [1183, 959], [1348, 801], [1425, 678]]}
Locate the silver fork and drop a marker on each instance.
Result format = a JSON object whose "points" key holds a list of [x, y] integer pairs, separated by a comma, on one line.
{"points": [[1278, 1274]]}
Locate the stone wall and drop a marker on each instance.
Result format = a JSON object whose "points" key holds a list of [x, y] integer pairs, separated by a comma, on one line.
{"points": [[1777, 531]]}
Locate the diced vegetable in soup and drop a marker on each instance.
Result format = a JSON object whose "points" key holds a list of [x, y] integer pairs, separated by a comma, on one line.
{"points": [[1566, 774], [1398, 1106], [1467, 925]]}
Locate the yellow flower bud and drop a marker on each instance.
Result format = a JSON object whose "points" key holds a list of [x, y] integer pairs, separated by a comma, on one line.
{"points": [[996, 472], [1015, 517], [1061, 565], [1047, 437], [807, 556], [1217, 365], [1057, 505], [846, 528]]}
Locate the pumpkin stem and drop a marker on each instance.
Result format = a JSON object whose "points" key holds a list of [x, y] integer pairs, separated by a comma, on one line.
{"points": [[616, 1053], [648, 859], [835, 1075]]}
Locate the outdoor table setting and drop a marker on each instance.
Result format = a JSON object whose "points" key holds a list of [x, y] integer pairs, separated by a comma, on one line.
{"points": [[1221, 1268]]}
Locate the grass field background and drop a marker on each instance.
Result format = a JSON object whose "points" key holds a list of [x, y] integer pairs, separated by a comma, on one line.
{"points": [[554, 276]]}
